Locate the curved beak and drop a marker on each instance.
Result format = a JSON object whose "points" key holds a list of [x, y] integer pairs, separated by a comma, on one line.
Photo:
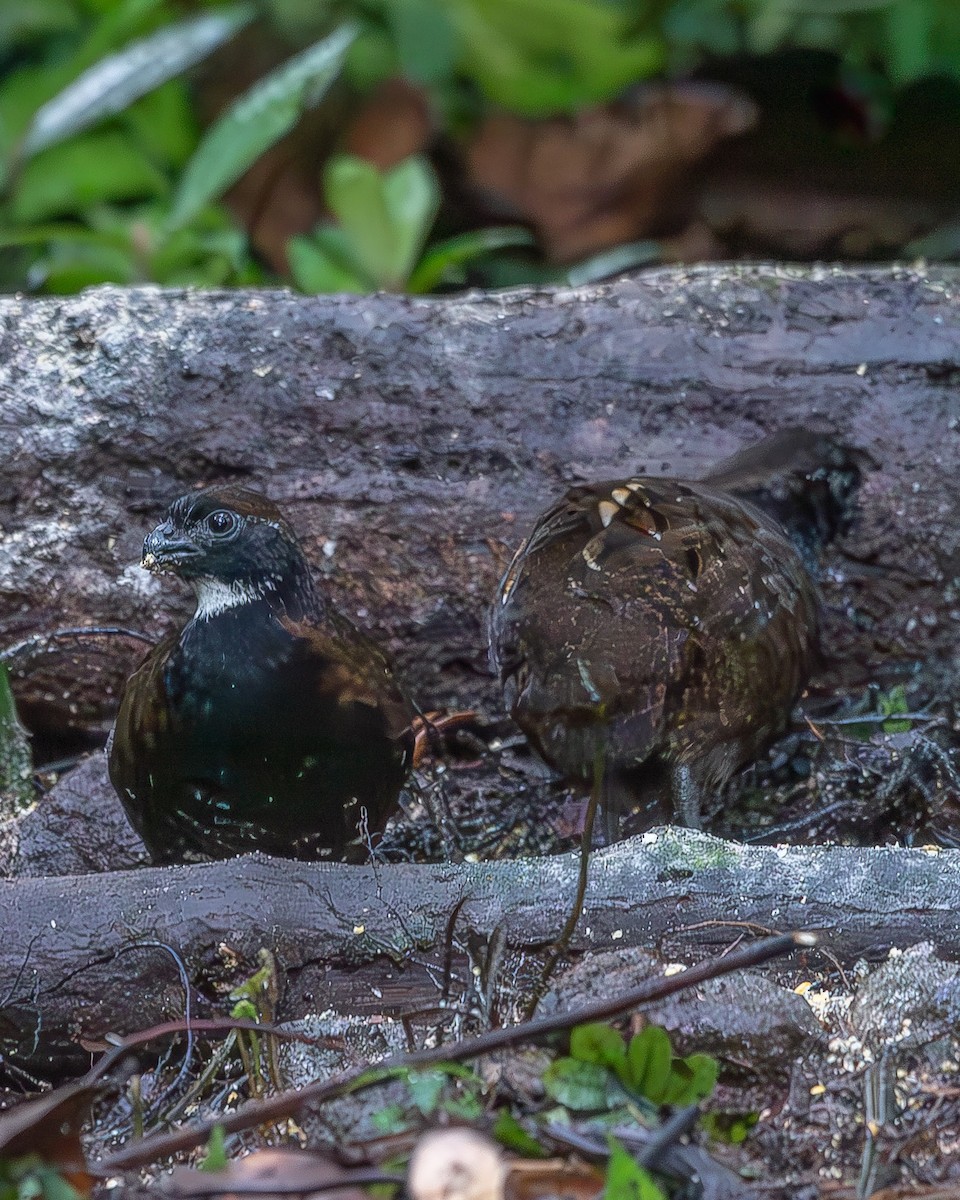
{"points": [[165, 550]]}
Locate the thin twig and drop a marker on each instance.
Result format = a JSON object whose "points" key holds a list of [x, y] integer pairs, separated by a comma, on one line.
{"points": [[573, 917], [286, 1104], [41, 641]]}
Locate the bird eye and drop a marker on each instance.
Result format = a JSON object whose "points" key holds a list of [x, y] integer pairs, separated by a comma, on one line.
{"points": [[222, 523]]}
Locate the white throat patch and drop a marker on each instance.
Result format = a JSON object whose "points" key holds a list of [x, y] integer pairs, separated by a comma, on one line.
{"points": [[214, 596]]}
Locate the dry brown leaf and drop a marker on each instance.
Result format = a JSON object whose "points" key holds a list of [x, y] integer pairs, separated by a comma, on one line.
{"points": [[553, 1179], [49, 1127], [606, 175], [394, 123], [267, 1175]]}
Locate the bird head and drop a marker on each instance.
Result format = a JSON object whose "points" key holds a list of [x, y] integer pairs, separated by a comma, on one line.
{"points": [[233, 546]]}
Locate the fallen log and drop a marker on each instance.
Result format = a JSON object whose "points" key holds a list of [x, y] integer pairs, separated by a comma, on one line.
{"points": [[87, 954]]}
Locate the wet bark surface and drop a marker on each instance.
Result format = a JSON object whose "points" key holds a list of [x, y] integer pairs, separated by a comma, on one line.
{"points": [[374, 939]]}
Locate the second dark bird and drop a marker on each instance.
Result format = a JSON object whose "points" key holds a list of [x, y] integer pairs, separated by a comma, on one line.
{"points": [[269, 721], [652, 635]]}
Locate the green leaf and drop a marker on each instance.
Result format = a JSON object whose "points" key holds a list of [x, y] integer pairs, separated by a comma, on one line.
{"points": [[579, 1086], [316, 268], [118, 23], [260, 117], [729, 1127], [427, 42], [16, 762], [33, 19], [92, 169], [163, 124], [891, 703], [385, 217], [510, 1133], [215, 1158], [691, 1079], [626, 1179], [425, 1089], [613, 262], [210, 252], [909, 40], [412, 196], [113, 84], [354, 190], [601, 1044], [370, 60], [69, 265], [537, 57], [440, 259], [649, 1058]]}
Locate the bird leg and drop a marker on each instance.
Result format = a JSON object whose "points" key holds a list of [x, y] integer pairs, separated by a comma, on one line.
{"points": [[430, 728], [686, 793]]}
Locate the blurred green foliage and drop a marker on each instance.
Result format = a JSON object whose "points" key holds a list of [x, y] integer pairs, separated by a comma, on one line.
{"points": [[105, 174], [383, 220], [16, 763]]}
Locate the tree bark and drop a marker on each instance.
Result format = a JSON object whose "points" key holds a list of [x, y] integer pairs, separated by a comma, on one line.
{"points": [[87, 952], [414, 440]]}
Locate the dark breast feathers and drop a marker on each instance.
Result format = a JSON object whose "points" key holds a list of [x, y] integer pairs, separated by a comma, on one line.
{"points": [[251, 731]]}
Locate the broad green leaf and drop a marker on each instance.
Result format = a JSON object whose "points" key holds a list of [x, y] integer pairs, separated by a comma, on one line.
{"points": [[626, 1179], [770, 27], [92, 169], [579, 1086], [370, 60], [260, 117], [601, 1044], [16, 764], [113, 84], [23, 92], [201, 256], [649, 1057], [542, 56], [354, 190], [412, 197], [315, 270], [118, 23], [440, 260]]}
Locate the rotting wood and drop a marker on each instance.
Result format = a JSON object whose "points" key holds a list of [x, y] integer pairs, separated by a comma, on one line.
{"points": [[372, 939]]}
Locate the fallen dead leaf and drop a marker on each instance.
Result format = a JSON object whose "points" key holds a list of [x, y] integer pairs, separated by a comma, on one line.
{"points": [[269, 1175], [609, 175], [49, 1127]]}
